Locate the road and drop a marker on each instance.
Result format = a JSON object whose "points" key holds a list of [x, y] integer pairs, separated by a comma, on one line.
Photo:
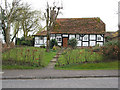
{"points": [[62, 83]]}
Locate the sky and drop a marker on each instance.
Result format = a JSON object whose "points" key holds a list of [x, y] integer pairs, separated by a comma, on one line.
{"points": [[107, 10]]}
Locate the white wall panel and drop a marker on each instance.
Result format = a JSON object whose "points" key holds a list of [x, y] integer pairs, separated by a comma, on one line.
{"points": [[59, 44]]}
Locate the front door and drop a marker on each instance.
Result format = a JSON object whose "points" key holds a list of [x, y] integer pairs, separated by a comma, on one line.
{"points": [[65, 41]]}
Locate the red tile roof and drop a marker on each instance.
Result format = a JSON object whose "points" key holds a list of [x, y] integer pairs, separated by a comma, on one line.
{"points": [[42, 33], [78, 26]]}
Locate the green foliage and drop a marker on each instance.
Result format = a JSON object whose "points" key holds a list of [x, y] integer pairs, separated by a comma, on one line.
{"points": [[53, 42], [91, 66], [54, 48], [72, 42], [27, 56], [23, 41], [78, 56], [111, 50]]}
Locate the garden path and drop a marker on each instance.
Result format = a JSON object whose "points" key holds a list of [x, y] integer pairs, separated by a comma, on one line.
{"points": [[54, 60]]}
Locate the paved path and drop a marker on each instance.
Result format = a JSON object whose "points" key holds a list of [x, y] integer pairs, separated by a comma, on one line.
{"points": [[50, 72]]}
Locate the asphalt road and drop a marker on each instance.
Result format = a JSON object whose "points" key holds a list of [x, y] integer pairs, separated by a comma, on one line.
{"points": [[62, 83]]}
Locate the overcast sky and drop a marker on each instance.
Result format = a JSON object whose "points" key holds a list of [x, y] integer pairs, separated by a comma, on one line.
{"points": [[105, 9]]}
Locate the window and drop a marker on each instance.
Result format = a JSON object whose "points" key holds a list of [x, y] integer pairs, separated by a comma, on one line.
{"points": [[41, 38], [52, 35], [92, 43], [100, 43], [79, 43], [58, 34], [85, 43], [77, 37], [80, 38], [92, 37], [99, 38], [59, 39], [85, 38], [71, 36]]}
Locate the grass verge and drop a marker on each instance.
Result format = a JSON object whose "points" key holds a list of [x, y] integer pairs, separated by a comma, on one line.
{"points": [[91, 66]]}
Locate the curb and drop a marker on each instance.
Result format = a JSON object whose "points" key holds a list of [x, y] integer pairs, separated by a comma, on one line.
{"points": [[52, 77]]}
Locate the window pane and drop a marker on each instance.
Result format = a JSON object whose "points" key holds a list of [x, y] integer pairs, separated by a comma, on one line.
{"points": [[85, 38], [92, 37], [100, 43], [52, 35], [85, 43], [92, 43]]}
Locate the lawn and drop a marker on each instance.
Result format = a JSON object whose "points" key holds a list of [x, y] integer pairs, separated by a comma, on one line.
{"points": [[26, 58], [91, 66]]}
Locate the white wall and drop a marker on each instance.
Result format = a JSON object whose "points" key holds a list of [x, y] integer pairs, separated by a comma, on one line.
{"points": [[92, 41]]}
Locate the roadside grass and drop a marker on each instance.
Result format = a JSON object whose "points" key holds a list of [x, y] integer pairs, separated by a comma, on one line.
{"points": [[91, 66], [9, 67], [26, 58]]}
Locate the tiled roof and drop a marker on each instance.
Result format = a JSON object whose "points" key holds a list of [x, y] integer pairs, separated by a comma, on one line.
{"points": [[42, 33], [79, 26]]}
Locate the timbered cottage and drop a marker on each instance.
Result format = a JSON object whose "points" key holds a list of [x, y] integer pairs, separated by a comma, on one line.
{"points": [[87, 31]]}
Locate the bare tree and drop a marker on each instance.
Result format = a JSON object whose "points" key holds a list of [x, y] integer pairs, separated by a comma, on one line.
{"points": [[9, 15], [51, 16]]}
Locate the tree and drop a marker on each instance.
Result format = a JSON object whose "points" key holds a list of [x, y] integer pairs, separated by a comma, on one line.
{"points": [[30, 20], [9, 14], [51, 16]]}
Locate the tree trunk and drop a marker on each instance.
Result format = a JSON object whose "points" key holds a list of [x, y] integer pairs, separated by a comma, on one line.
{"points": [[7, 34], [48, 41]]}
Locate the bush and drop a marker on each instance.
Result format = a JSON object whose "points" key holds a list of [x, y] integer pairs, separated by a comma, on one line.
{"points": [[72, 42], [53, 42], [72, 56], [23, 41], [111, 50]]}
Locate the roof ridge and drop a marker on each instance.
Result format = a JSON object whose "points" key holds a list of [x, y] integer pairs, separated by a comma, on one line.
{"points": [[81, 18]]}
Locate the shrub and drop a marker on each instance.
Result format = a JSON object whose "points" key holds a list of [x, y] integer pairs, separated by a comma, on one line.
{"points": [[54, 48], [72, 42], [72, 56], [111, 50], [53, 42], [23, 41]]}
